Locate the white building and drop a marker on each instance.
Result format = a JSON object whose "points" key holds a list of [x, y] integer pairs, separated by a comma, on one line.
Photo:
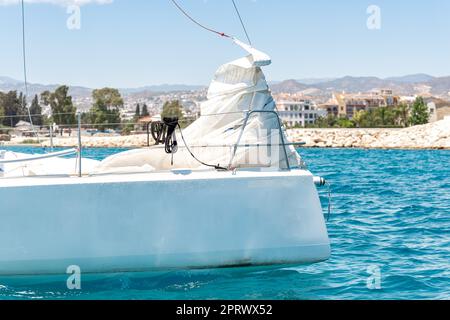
{"points": [[409, 100], [299, 113], [432, 111]]}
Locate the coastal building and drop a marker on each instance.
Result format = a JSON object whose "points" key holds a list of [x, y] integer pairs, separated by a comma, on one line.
{"points": [[144, 122], [127, 114], [23, 129], [437, 108], [388, 96], [331, 107], [299, 113], [432, 111], [408, 100], [350, 104]]}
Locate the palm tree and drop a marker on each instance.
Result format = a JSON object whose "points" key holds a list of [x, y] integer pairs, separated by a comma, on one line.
{"points": [[402, 114], [382, 112], [359, 118]]}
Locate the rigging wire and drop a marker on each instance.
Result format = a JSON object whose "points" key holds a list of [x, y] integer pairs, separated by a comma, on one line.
{"points": [[198, 23], [24, 103], [210, 29], [242, 22]]}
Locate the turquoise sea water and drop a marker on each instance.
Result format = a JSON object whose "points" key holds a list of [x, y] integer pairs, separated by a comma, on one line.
{"points": [[391, 210]]}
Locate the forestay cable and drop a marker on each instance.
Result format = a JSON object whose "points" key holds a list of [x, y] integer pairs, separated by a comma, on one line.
{"points": [[242, 22]]}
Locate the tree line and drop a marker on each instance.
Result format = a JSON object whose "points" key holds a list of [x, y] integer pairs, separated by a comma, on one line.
{"points": [[13, 109], [105, 111]]}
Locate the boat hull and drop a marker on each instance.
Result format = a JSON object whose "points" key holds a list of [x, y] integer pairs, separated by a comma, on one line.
{"points": [[159, 221]]}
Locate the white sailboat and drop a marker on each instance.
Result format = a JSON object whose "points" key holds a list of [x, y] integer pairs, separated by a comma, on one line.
{"points": [[146, 209]]}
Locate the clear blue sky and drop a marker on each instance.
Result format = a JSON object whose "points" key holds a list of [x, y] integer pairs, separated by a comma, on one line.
{"points": [[130, 43]]}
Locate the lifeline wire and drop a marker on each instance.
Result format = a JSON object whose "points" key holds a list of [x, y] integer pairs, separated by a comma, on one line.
{"points": [[218, 167]]}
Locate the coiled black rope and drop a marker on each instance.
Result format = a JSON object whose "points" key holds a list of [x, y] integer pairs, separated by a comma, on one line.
{"points": [[164, 132], [157, 129], [170, 143]]}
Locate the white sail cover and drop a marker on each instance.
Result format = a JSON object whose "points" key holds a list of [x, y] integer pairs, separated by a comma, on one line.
{"points": [[237, 88]]}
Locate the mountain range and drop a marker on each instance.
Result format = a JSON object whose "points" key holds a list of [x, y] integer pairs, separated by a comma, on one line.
{"points": [[9, 84], [420, 84]]}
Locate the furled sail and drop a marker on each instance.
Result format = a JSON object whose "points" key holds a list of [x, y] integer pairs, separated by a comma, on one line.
{"points": [[225, 134]]}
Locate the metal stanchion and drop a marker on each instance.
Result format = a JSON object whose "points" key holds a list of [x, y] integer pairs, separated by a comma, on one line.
{"points": [[79, 144], [51, 138], [148, 134]]}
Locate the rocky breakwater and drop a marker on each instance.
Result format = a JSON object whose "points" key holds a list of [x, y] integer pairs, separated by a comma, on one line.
{"points": [[430, 136]]}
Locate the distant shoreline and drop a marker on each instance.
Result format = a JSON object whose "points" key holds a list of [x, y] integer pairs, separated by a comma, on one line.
{"points": [[300, 147], [432, 136]]}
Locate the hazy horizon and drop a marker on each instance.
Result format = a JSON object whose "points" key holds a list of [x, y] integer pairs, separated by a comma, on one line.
{"points": [[309, 81]]}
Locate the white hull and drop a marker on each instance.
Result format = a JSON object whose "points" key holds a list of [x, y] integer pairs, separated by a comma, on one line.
{"points": [[160, 220]]}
